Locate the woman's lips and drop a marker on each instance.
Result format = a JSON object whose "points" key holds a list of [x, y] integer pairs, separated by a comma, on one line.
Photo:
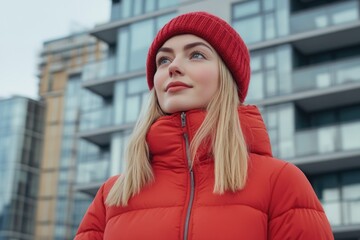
{"points": [[176, 86], [176, 89]]}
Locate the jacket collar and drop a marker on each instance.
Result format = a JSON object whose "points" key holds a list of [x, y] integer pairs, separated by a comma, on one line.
{"points": [[166, 143]]}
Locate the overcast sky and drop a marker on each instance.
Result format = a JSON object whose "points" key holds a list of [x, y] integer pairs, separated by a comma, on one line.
{"points": [[25, 25]]}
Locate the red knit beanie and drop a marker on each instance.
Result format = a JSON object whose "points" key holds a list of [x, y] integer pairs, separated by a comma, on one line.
{"points": [[221, 36]]}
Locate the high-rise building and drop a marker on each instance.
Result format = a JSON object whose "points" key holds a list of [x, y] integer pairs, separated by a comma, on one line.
{"points": [[60, 67], [21, 135], [305, 59]]}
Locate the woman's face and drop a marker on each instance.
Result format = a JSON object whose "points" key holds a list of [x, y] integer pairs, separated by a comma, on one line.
{"points": [[187, 75]]}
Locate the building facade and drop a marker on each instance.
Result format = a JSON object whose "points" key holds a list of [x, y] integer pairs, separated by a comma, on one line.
{"points": [[305, 59], [60, 66], [21, 135]]}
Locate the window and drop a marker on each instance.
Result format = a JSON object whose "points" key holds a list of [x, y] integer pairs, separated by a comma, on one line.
{"points": [[340, 196], [142, 34], [130, 96], [131, 8], [260, 20]]}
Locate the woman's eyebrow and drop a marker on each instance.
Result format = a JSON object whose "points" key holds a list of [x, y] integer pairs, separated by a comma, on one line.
{"points": [[186, 47], [191, 45]]}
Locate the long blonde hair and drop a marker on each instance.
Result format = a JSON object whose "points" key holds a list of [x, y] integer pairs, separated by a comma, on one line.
{"points": [[227, 144]]}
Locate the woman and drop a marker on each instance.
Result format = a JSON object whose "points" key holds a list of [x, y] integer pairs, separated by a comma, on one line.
{"points": [[199, 160]]}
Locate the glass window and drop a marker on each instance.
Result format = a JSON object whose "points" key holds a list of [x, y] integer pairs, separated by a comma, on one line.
{"points": [[120, 88], [269, 26], [122, 50], [137, 7], [137, 85], [162, 20], [142, 34], [150, 5], [351, 182], [270, 60], [126, 8], [271, 85], [349, 114], [167, 3], [350, 136], [255, 62], [345, 16], [327, 139], [132, 108], [246, 9], [282, 19], [256, 87], [269, 5], [250, 29]]}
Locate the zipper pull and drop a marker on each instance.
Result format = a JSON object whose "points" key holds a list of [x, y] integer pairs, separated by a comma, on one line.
{"points": [[183, 119]]}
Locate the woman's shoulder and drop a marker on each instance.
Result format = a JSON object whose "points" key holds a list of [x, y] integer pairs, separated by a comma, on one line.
{"points": [[288, 185]]}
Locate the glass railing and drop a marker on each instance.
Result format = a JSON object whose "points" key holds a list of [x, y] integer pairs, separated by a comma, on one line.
{"points": [[326, 75], [334, 14], [103, 117], [99, 70], [130, 8], [93, 171], [343, 212], [343, 137]]}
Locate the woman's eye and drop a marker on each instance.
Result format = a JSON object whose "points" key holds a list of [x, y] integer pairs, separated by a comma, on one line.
{"points": [[163, 60], [197, 55]]}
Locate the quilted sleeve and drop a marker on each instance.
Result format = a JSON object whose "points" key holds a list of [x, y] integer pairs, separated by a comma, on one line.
{"points": [[93, 224], [295, 211]]}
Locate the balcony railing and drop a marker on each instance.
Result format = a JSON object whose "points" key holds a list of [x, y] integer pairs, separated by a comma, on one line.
{"points": [[334, 14], [326, 75], [129, 8], [103, 117], [342, 213], [93, 171], [343, 137], [99, 70]]}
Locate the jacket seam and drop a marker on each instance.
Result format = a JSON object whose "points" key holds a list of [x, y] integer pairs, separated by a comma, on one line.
{"points": [[297, 208], [233, 204], [275, 183], [141, 209]]}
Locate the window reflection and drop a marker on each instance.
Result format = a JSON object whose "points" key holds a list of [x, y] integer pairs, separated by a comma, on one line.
{"points": [[250, 29], [246, 9], [256, 87], [142, 34]]}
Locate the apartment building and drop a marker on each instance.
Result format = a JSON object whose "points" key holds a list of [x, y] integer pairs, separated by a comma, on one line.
{"points": [[21, 136], [60, 66], [305, 59]]}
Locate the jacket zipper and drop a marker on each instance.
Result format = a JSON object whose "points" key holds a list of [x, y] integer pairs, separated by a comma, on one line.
{"points": [[192, 181]]}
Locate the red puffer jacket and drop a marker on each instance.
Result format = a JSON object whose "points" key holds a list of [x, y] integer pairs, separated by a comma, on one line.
{"points": [[277, 203]]}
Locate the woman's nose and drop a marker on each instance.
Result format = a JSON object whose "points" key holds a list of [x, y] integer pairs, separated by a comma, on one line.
{"points": [[175, 69]]}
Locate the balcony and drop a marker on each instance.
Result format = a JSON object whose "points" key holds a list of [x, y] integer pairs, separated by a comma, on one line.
{"points": [[95, 125], [99, 70], [323, 17], [328, 85], [319, 29], [328, 144], [344, 217], [91, 174], [99, 118], [320, 86], [100, 77]]}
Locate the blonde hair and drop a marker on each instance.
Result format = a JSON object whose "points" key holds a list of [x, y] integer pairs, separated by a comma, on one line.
{"points": [[227, 144]]}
